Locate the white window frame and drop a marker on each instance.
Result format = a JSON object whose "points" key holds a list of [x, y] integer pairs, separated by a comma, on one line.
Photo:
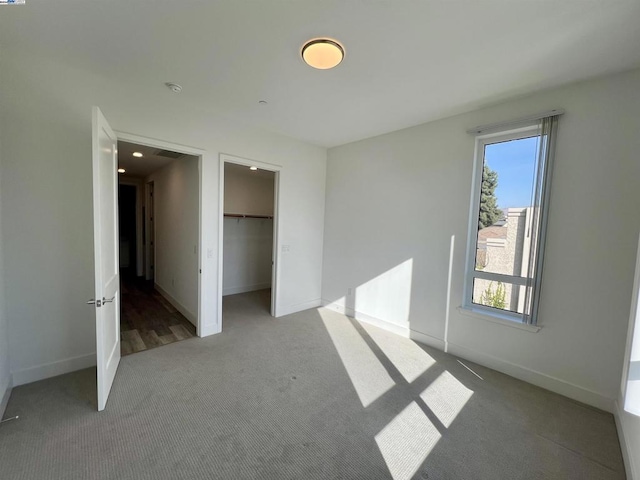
{"points": [[482, 141]]}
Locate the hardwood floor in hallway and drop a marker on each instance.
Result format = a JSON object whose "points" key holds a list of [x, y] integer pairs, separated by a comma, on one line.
{"points": [[147, 319]]}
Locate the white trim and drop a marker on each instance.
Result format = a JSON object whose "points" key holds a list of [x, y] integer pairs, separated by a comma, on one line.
{"points": [[428, 340], [534, 377], [275, 269], [500, 277], [634, 318], [363, 317], [271, 167], [528, 127], [154, 142], [245, 289], [210, 329], [180, 307], [53, 369], [528, 375], [149, 259], [484, 129], [275, 248], [220, 243], [494, 317], [200, 153], [282, 311], [627, 453], [447, 312], [4, 400]]}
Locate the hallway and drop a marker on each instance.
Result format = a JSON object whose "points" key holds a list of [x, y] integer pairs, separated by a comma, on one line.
{"points": [[147, 319]]}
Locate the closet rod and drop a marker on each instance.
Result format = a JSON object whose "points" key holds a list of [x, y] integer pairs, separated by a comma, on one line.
{"points": [[239, 215]]}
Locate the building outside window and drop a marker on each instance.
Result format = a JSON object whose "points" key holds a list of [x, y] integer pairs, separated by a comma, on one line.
{"points": [[508, 216]]}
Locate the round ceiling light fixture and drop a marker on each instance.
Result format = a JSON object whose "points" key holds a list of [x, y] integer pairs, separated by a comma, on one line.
{"points": [[137, 154], [253, 168], [121, 170], [322, 53]]}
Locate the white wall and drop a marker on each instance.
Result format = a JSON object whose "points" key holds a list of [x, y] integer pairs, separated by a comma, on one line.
{"points": [[248, 248], [247, 192], [176, 217], [47, 201], [5, 374], [400, 198], [248, 242]]}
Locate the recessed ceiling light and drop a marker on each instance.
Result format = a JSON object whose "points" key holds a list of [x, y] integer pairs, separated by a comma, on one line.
{"points": [[262, 102], [137, 154], [322, 53], [174, 87], [121, 170], [253, 168]]}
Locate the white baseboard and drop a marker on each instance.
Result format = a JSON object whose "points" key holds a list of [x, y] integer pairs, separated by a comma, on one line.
{"points": [[245, 289], [53, 369], [288, 310], [534, 377], [363, 317], [630, 456], [210, 329], [428, 340], [181, 308], [4, 399], [528, 375]]}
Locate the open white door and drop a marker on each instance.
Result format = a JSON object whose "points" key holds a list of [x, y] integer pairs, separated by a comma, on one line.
{"points": [[105, 232]]}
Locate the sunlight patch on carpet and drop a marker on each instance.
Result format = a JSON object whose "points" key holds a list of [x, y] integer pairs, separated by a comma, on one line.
{"points": [[407, 441]]}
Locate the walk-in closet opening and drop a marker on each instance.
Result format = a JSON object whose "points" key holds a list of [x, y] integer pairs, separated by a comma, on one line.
{"points": [[158, 219], [249, 214]]}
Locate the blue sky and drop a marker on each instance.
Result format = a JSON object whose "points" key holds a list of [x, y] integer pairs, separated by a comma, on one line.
{"points": [[514, 161]]}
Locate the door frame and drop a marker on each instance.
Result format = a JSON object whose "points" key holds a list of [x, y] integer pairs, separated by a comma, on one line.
{"points": [[199, 154], [150, 234], [140, 253], [275, 268]]}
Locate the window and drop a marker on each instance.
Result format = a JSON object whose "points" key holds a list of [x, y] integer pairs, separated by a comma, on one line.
{"points": [[508, 218], [631, 375]]}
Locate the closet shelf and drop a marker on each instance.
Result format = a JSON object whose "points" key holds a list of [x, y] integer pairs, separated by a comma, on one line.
{"points": [[239, 215]]}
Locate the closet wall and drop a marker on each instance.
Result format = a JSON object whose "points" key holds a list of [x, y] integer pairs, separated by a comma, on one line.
{"points": [[248, 229]]}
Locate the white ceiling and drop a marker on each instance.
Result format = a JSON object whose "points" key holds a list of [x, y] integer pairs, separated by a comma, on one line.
{"points": [[142, 167], [244, 171], [407, 62]]}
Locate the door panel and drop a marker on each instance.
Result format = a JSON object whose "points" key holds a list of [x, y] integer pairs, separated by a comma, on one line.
{"points": [[107, 278]]}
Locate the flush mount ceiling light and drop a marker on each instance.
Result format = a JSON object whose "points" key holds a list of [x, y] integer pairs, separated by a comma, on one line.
{"points": [[253, 168], [322, 53], [121, 170], [137, 154]]}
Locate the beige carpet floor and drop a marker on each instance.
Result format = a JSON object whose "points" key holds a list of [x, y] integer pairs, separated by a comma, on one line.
{"points": [[314, 395]]}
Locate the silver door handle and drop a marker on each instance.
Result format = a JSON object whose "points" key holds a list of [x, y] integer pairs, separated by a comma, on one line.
{"points": [[108, 300], [97, 303]]}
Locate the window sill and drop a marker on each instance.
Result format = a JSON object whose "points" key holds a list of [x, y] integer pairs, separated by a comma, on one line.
{"points": [[471, 312]]}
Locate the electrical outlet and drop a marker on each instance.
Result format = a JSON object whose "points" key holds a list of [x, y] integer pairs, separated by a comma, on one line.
{"points": [[209, 252], [286, 248]]}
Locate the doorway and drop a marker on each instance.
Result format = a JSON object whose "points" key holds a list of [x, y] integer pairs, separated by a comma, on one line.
{"points": [[158, 218], [248, 236]]}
